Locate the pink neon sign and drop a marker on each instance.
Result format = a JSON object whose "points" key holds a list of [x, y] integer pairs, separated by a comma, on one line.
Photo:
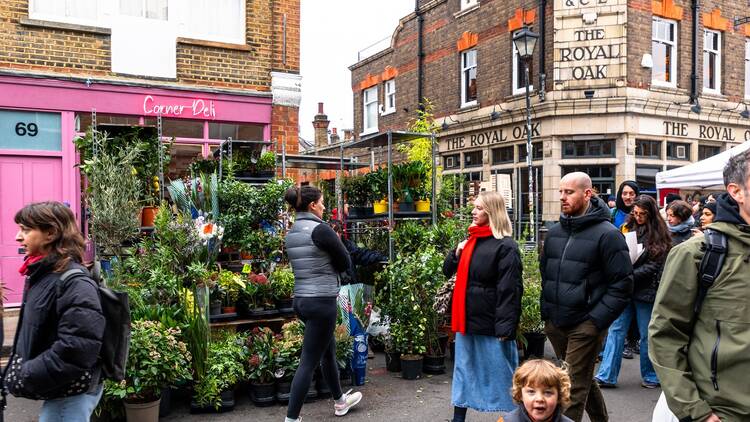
{"points": [[179, 107]]}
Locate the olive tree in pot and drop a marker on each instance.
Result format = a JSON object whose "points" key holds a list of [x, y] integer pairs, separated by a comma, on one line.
{"points": [[157, 358], [531, 326]]}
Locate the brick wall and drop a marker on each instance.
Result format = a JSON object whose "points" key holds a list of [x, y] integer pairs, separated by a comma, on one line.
{"points": [[443, 26], [85, 53]]}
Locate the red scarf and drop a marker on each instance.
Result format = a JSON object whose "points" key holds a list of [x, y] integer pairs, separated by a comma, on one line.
{"points": [[458, 314], [32, 259]]}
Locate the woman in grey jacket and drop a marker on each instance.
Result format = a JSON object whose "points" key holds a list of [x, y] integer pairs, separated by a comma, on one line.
{"points": [[317, 256]]}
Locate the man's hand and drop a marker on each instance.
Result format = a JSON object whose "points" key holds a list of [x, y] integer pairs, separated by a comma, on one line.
{"points": [[712, 418]]}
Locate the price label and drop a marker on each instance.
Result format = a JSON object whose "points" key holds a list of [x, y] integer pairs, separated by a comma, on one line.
{"points": [[30, 130]]}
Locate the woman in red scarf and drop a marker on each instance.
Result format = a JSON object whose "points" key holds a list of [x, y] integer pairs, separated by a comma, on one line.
{"points": [[486, 310]]}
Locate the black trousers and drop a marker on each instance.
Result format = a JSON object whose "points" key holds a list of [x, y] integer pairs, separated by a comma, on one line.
{"points": [[319, 346]]}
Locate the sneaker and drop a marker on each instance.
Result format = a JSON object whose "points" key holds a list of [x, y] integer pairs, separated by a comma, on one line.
{"points": [[349, 401], [637, 347], [648, 384], [627, 353], [603, 384]]}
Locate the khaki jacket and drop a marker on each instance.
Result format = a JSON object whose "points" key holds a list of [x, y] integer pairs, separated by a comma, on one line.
{"points": [[706, 368]]}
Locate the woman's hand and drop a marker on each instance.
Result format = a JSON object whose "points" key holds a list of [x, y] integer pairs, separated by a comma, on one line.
{"points": [[712, 418], [460, 247]]}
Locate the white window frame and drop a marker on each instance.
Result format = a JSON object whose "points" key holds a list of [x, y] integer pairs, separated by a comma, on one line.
{"points": [[675, 52], [718, 62], [465, 69], [369, 97], [389, 105], [468, 4], [103, 10], [185, 30], [747, 68], [516, 61], [143, 5]]}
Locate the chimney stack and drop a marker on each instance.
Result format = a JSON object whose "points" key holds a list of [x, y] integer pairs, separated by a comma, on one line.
{"points": [[320, 123], [334, 137]]}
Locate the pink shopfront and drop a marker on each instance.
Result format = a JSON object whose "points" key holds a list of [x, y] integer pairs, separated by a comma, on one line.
{"points": [[40, 117]]}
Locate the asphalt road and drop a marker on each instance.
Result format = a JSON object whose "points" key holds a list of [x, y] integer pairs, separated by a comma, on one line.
{"points": [[389, 398]]}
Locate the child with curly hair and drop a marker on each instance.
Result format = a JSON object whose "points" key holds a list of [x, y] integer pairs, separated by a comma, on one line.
{"points": [[542, 391]]}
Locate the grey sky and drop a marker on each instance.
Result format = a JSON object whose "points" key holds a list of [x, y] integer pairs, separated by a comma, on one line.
{"points": [[332, 33]]}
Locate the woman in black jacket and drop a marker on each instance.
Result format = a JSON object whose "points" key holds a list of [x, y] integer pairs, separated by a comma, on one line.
{"points": [[680, 221], [55, 354], [652, 233], [486, 310]]}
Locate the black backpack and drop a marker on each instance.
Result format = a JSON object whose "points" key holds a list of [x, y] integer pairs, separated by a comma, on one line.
{"points": [[116, 339], [715, 251]]}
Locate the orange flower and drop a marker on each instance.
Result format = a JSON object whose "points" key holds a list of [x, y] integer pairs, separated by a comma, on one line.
{"points": [[208, 228]]}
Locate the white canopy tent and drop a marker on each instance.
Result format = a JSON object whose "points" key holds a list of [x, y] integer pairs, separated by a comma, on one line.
{"points": [[704, 174]]}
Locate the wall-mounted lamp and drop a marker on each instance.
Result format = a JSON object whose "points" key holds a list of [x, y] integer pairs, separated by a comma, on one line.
{"points": [[495, 114], [696, 108], [589, 94], [445, 124], [647, 61], [745, 113]]}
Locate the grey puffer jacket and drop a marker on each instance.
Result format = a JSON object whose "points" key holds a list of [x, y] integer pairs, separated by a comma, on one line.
{"points": [[317, 256]]}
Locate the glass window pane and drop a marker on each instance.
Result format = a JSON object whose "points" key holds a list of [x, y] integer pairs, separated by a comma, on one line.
{"points": [[178, 128]]}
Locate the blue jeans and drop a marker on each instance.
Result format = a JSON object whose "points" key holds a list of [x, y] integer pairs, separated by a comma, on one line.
{"points": [[71, 409], [612, 356]]}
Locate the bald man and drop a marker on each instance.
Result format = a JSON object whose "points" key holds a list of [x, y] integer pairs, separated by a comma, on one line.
{"points": [[587, 280]]}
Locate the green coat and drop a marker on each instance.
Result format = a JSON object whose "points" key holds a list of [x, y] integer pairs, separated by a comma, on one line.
{"points": [[720, 338]]}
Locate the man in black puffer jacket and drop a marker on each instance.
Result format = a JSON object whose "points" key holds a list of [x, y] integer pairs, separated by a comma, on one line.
{"points": [[587, 280]]}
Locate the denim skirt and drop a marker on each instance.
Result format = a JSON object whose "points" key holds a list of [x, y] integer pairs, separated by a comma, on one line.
{"points": [[483, 373]]}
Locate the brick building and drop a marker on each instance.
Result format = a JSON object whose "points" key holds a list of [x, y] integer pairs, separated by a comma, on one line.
{"points": [[619, 89], [211, 70]]}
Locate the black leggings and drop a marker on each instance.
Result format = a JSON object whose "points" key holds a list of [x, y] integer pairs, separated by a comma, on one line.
{"points": [[319, 346]]}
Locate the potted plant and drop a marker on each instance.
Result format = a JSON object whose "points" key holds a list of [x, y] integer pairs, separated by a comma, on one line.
{"points": [[157, 359], [282, 285], [531, 326], [286, 359], [356, 189], [377, 182], [231, 284], [266, 164], [344, 352], [224, 368], [261, 366]]}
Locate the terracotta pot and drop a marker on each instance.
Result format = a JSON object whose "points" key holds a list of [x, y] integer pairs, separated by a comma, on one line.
{"points": [[229, 310], [142, 412], [148, 215]]}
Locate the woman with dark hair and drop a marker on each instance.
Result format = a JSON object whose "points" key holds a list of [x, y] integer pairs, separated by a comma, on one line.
{"points": [[317, 257], [624, 202], [55, 354], [708, 213], [652, 233], [680, 221]]}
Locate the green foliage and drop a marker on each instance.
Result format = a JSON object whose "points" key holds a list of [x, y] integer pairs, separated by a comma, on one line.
{"points": [[113, 197], [407, 297], [146, 165], [289, 349], [356, 190], [224, 368], [344, 346], [231, 285], [531, 315], [282, 282], [448, 233], [203, 166], [157, 359], [267, 161], [420, 150], [200, 195], [410, 237], [449, 191], [377, 182], [262, 355]]}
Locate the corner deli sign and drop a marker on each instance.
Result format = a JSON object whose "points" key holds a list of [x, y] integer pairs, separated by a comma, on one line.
{"points": [[590, 45]]}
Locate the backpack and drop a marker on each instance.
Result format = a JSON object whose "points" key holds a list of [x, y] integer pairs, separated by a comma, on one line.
{"points": [[715, 248], [116, 339]]}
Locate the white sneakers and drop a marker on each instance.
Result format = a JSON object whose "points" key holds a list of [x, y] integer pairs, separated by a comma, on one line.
{"points": [[346, 402]]}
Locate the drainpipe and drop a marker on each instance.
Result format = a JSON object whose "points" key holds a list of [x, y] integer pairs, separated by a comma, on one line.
{"points": [[420, 53], [694, 64], [542, 50]]}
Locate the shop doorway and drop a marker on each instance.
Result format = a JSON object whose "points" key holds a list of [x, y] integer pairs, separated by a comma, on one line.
{"points": [[23, 179]]}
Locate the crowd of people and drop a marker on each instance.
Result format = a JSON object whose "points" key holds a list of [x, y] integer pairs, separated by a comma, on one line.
{"points": [[677, 275]]}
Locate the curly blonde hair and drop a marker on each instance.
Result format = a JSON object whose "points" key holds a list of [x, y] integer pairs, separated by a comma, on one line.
{"points": [[542, 373]]}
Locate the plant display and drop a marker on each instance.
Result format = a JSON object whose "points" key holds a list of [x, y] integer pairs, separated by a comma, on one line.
{"points": [[410, 237], [224, 369], [245, 160], [344, 346], [230, 284], [288, 349], [157, 359], [262, 355], [282, 283], [357, 190], [203, 166], [258, 292], [411, 282], [377, 182], [531, 314], [267, 161], [113, 197]]}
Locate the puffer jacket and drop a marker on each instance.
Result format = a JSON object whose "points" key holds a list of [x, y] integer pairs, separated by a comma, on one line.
{"points": [[59, 336], [586, 270], [520, 415], [646, 275], [703, 365], [494, 287]]}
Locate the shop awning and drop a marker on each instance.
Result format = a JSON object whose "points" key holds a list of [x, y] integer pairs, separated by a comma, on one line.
{"points": [[704, 174]]}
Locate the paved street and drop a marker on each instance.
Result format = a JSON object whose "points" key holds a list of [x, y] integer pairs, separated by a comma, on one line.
{"points": [[389, 398]]}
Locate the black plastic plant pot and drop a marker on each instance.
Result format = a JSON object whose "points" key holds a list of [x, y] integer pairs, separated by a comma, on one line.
{"points": [[411, 367], [285, 306], [345, 376], [393, 361], [263, 395], [312, 393], [321, 385], [406, 207], [283, 390], [227, 404], [434, 365]]}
